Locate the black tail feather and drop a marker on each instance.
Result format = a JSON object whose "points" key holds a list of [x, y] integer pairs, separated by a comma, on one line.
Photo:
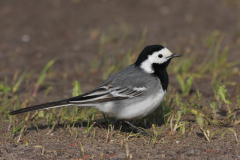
{"points": [[39, 107]]}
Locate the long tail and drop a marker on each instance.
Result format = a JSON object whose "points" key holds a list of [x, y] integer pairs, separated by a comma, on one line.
{"points": [[84, 100], [41, 106]]}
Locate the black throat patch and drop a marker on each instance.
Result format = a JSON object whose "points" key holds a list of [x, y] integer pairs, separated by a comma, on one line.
{"points": [[160, 70]]}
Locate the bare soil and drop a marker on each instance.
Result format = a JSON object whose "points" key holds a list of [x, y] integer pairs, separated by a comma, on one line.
{"points": [[34, 32]]}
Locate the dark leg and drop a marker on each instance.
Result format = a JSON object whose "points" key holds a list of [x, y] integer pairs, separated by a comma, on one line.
{"points": [[136, 128]]}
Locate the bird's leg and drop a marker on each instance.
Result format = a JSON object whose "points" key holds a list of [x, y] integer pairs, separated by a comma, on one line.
{"points": [[136, 128]]}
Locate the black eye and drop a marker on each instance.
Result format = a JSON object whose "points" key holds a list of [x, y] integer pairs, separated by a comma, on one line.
{"points": [[160, 56]]}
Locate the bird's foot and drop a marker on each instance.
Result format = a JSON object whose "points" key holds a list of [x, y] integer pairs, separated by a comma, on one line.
{"points": [[136, 128]]}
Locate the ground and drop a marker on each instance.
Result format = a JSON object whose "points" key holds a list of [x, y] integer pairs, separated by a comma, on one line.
{"points": [[93, 39]]}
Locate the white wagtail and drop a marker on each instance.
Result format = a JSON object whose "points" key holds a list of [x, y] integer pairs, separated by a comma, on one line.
{"points": [[132, 93]]}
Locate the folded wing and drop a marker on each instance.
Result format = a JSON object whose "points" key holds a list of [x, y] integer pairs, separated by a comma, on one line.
{"points": [[108, 93]]}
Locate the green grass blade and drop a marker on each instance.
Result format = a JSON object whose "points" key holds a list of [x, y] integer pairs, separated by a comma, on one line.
{"points": [[181, 82], [76, 89], [44, 71], [19, 127], [16, 86]]}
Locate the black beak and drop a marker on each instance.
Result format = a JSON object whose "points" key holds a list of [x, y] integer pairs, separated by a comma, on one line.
{"points": [[175, 55]]}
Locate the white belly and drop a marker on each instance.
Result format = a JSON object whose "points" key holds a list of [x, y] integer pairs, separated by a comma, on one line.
{"points": [[136, 110]]}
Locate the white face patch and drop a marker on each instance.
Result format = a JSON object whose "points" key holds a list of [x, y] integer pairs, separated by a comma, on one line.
{"points": [[154, 58]]}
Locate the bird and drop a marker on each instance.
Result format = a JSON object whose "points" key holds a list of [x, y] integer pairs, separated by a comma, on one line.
{"points": [[131, 93]]}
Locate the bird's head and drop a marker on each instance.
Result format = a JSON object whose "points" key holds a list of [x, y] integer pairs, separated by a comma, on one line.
{"points": [[154, 55]]}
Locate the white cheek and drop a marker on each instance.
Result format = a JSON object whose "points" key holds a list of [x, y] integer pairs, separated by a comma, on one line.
{"points": [[155, 59], [147, 64], [164, 52]]}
